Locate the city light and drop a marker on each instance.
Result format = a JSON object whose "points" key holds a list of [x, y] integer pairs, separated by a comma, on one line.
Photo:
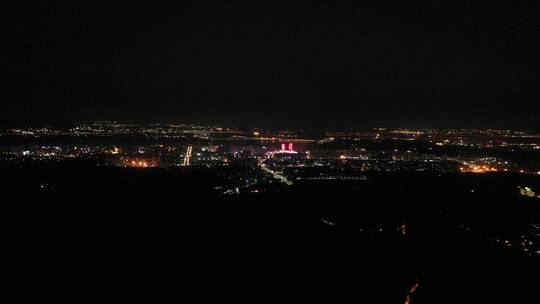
{"points": [[527, 191], [476, 168]]}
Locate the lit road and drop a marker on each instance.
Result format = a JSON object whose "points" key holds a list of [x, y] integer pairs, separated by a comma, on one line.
{"points": [[411, 292], [187, 157], [274, 174]]}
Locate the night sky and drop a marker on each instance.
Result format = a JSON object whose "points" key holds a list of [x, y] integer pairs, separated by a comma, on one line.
{"points": [[308, 64]]}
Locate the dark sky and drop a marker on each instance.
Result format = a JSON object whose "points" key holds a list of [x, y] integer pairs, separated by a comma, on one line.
{"points": [[307, 64]]}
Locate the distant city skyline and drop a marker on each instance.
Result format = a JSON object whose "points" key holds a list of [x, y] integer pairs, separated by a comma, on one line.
{"points": [[244, 127]]}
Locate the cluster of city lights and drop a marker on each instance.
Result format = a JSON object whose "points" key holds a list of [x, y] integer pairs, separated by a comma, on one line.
{"points": [[478, 168], [467, 167], [138, 163]]}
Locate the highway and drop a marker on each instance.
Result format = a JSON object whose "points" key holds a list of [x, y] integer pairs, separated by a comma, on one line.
{"points": [[274, 174]]}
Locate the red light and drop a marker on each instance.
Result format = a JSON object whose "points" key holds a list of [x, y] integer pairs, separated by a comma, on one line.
{"points": [[290, 146], [282, 146]]}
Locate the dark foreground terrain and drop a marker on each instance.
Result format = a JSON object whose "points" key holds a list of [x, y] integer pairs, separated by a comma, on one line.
{"points": [[78, 233]]}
